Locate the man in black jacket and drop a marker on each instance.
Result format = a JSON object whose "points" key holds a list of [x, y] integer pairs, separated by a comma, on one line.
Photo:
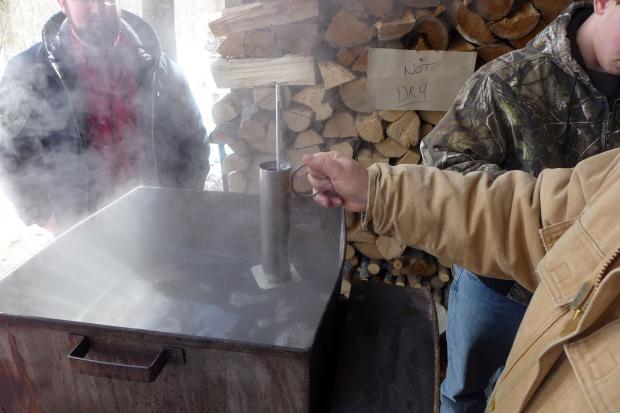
{"points": [[93, 110]]}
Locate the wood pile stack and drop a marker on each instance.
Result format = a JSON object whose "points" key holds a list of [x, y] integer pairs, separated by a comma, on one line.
{"points": [[318, 50]]}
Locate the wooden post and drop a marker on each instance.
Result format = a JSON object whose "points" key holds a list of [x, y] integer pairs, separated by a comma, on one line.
{"points": [[160, 14]]}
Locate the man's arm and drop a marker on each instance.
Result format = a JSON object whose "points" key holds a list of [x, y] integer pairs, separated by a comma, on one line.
{"points": [[476, 132], [488, 225], [178, 120]]}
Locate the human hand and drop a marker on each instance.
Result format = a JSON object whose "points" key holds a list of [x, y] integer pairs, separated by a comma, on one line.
{"points": [[339, 181]]}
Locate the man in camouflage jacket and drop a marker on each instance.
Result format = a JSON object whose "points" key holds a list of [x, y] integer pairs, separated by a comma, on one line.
{"points": [[549, 105]]}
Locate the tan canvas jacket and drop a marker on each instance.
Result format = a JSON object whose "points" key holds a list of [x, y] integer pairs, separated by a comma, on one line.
{"points": [[558, 235]]}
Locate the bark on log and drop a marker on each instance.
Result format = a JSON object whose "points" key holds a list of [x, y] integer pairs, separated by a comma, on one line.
{"points": [[472, 27], [493, 9], [261, 43], [550, 9], [397, 28], [434, 30], [410, 158], [519, 23], [361, 63]]}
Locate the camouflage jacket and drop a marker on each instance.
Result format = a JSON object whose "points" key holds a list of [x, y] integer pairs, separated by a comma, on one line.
{"points": [[530, 109]]}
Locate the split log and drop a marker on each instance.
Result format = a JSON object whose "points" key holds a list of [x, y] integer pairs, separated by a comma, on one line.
{"points": [[434, 30], [378, 8], [420, 4], [265, 97], [392, 115], [355, 7], [431, 116], [391, 148], [247, 73], [361, 63], [395, 29], [297, 38], [233, 46], [235, 162], [369, 127], [345, 286], [308, 138], [400, 280], [325, 112], [254, 124], [490, 52], [354, 95], [346, 57], [550, 9], [437, 284], [238, 181], [262, 15], [311, 97], [261, 43], [493, 9], [368, 157], [363, 269], [343, 148], [406, 130], [357, 234], [519, 23], [389, 247], [392, 44], [297, 117], [240, 147], [374, 267], [340, 125], [368, 250], [345, 30], [410, 158], [334, 74], [350, 218], [226, 109], [421, 264], [472, 27], [421, 45]]}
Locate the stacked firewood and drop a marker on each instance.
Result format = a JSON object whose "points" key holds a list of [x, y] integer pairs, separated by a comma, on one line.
{"points": [[318, 51]]}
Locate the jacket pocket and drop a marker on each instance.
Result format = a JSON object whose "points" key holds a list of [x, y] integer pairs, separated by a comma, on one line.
{"points": [[571, 261], [596, 363]]}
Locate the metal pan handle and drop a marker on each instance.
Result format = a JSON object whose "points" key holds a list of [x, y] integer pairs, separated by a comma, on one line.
{"points": [[127, 372]]}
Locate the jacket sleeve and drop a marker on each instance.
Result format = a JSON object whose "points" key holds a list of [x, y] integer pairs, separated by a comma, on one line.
{"points": [[183, 150], [23, 170], [475, 133], [490, 226]]}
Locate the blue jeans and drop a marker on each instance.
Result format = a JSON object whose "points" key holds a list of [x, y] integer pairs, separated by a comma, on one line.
{"points": [[482, 325]]}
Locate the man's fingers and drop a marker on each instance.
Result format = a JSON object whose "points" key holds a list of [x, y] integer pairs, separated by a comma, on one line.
{"points": [[324, 163], [320, 185]]}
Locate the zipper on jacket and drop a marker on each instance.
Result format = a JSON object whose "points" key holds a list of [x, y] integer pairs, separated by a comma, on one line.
{"points": [[586, 291]]}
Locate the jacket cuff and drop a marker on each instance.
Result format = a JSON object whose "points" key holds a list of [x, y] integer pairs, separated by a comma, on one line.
{"points": [[366, 216]]}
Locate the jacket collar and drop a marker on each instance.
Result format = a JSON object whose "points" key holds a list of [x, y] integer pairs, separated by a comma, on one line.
{"points": [[554, 42]]}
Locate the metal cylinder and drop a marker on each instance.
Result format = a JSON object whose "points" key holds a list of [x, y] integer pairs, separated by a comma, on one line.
{"points": [[275, 210]]}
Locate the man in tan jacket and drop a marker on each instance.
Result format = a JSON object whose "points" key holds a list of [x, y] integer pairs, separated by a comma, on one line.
{"points": [[558, 235]]}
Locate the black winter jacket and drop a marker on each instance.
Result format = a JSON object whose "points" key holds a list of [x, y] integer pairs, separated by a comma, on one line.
{"points": [[44, 150]]}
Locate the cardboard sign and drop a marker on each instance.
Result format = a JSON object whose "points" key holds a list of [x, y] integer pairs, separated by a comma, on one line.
{"points": [[411, 80]]}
